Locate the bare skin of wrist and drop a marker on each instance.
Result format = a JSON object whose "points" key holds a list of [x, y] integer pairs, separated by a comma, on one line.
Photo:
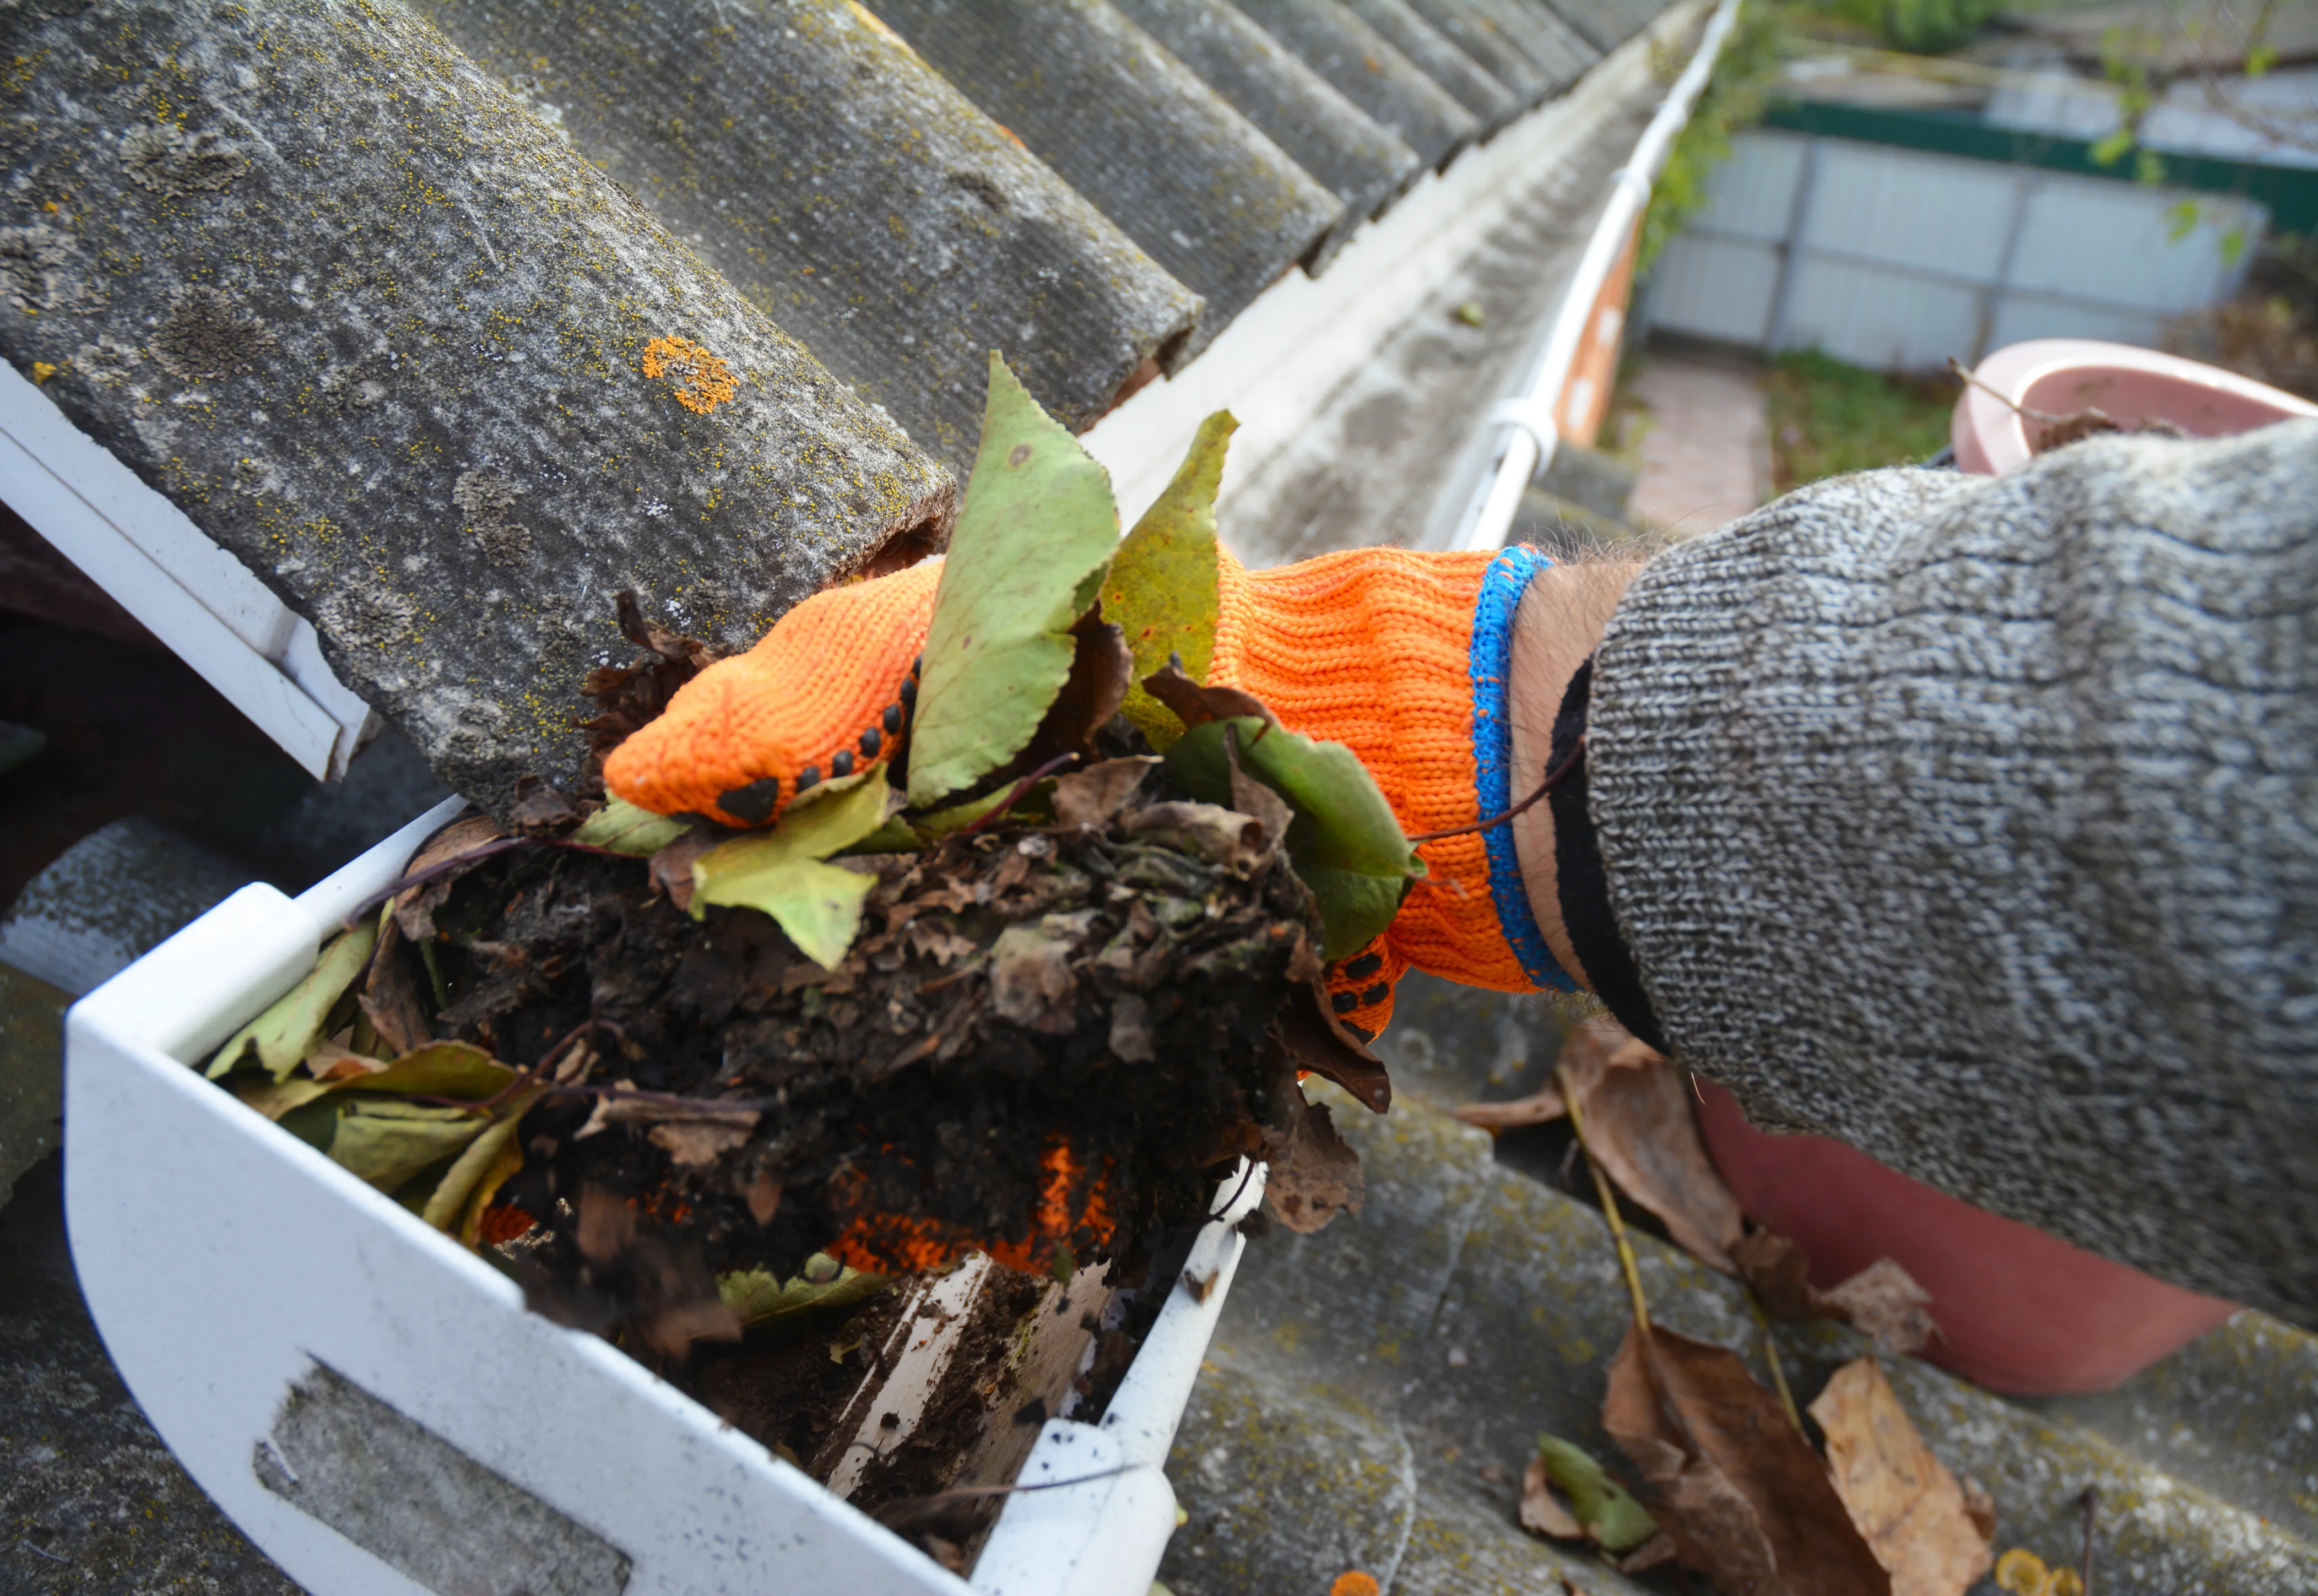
{"points": [[1560, 620]]}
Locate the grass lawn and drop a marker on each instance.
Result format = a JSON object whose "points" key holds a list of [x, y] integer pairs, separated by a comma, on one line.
{"points": [[1827, 417]]}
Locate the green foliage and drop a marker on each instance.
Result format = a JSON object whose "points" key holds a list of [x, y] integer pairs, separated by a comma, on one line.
{"points": [[1035, 536], [287, 1031], [782, 872], [624, 829], [1161, 592], [1615, 1521], [1344, 843], [1737, 94], [1827, 417]]}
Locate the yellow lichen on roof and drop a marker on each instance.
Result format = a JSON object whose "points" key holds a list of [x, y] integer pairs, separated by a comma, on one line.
{"points": [[701, 381]]}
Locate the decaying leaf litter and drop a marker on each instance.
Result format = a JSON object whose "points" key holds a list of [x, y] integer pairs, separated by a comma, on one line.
{"points": [[1027, 984], [1731, 1483]]}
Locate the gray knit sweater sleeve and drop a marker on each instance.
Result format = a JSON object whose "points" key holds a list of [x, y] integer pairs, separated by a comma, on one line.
{"points": [[1975, 822]]}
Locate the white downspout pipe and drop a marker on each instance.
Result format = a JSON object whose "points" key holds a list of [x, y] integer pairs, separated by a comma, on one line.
{"points": [[1535, 431]]}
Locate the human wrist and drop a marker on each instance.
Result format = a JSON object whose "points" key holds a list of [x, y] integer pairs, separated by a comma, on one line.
{"points": [[1560, 619]]}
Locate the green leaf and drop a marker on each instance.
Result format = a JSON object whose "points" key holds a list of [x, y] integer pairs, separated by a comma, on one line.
{"points": [[625, 828], [2148, 169], [386, 1140], [1163, 589], [492, 1156], [2112, 147], [1344, 843], [437, 1070], [2261, 59], [2180, 220], [1034, 537], [286, 1032], [780, 872], [2231, 245], [757, 1298], [1615, 1521]]}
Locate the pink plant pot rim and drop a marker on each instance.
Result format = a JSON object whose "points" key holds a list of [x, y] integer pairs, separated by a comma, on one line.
{"points": [[2019, 1310], [2061, 376]]}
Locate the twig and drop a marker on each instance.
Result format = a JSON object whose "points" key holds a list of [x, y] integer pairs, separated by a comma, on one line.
{"points": [[2090, 1502], [1771, 1351], [40, 1552], [1021, 787], [1609, 1204], [1553, 778], [1968, 375]]}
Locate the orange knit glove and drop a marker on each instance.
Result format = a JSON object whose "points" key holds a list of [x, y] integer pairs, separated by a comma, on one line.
{"points": [[1400, 656]]}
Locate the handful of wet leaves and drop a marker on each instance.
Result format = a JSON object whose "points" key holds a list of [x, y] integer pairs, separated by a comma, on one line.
{"points": [[1028, 985]]}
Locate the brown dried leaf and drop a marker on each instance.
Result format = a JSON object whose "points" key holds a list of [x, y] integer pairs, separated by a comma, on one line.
{"points": [[694, 1142], [1642, 1127], [542, 809], [1912, 1512], [1239, 842], [1102, 667], [1314, 1174], [1252, 797], [1541, 1106], [1541, 1510], [1318, 1044], [1195, 705], [413, 911], [1885, 1301], [1745, 1498], [1030, 980], [1882, 1299], [671, 868], [391, 996], [1130, 1030], [1094, 796]]}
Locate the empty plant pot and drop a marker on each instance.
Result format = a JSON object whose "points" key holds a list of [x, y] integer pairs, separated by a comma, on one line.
{"points": [[2013, 411]]}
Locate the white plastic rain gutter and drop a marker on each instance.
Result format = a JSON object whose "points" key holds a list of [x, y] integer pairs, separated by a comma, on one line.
{"points": [[1531, 416]]}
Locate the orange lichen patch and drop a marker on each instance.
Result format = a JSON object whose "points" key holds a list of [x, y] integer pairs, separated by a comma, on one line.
{"points": [[701, 381], [1356, 1584], [1070, 1206], [501, 1224]]}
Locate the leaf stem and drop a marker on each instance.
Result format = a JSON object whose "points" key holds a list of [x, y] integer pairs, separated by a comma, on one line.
{"points": [[1553, 778], [1609, 1203], [1771, 1353], [1021, 787]]}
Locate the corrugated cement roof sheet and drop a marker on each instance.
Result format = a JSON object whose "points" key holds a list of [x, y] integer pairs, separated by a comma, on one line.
{"points": [[851, 192]]}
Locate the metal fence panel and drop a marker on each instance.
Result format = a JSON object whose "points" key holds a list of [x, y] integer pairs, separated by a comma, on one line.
{"points": [[2111, 244], [1908, 210], [1872, 316], [1717, 288]]}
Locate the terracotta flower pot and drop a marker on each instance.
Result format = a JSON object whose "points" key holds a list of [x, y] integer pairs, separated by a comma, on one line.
{"points": [[2018, 1311], [2062, 376]]}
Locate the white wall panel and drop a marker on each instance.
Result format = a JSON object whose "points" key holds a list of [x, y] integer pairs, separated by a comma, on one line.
{"points": [[1715, 288], [1752, 195], [2108, 242], [1874, 317], [1910, 209], [2020, 316]]}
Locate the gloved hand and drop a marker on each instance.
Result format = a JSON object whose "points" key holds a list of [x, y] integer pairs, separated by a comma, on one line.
{"points": [[1401, 655]]}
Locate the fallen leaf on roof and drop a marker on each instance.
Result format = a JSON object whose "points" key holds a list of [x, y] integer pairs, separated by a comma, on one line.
{"points": [[757, 1298], [1036, 531], [1162, 590], [1746, 1500], [282, 1036], [1600, 1510], [391, 998], [1882, 1299], [1642, 1126], [1904, 1500]]}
